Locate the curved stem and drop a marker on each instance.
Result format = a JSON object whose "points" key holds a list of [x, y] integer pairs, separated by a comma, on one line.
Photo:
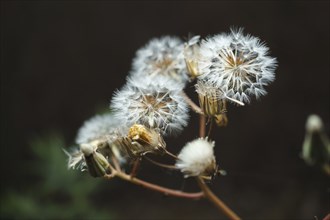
{"points": [[164, 190], [170, 154], [161, 164], [216, 201], [135, 168], [116, 163], [192, 104]]}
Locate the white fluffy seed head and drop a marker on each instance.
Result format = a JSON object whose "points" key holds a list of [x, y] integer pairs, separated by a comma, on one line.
{"points": [[237, 64], [100, 127], [197, 158], [161, 57], [98, 133], [206, 88], [155, 103]]}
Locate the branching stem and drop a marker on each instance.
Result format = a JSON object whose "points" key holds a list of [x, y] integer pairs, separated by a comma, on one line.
{"points": [[154, 187], [216, 201]]}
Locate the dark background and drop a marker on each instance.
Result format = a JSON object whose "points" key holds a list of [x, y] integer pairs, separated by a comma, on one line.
{"points": [[62, 61]]}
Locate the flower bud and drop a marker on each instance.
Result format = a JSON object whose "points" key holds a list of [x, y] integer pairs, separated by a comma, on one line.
{"points": [[96, 163], [212, 101]]}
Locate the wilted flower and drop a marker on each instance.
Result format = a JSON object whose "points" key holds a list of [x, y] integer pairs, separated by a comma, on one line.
{"points": [[197, 158], [87, 158], [155, 103], [161, 57], [142, 140], [237, 64], [212, 101], [97, 140]]}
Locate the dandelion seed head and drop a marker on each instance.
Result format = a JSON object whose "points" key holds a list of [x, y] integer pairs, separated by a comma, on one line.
{"points": [[154, 103], [161, 57], [104, 127], [206, 88], [197, 158], [237, 64], [98, 134]]}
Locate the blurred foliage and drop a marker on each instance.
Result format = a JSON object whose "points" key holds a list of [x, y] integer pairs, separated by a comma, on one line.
{"points": [[56, 192]]}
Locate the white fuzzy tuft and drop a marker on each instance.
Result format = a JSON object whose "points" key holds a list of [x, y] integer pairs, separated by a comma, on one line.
{"points": [[155, 103], [99, 126], [196, 157], [161, 57], [237, 64], [314, 123]]}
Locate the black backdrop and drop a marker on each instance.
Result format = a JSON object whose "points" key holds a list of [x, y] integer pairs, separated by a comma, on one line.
{"points": [[61, 61]]}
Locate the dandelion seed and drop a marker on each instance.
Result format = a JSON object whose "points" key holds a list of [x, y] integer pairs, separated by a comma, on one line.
{"points": [[161, 57], [154, 103], [237, 64], [75, 159], [197, 158]]}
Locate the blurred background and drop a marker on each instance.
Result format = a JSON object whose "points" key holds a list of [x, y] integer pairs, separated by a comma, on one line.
{"points": [[62, 61]]}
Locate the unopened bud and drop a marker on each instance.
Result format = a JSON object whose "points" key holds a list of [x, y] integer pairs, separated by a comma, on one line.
{"points": [[96, 163]]}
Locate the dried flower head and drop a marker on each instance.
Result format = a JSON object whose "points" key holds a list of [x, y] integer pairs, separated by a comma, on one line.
{"points": [[97, 142], [161, 57], [87, 158], [142, 140], [197, 158], [212, 101], [192, 55], [154, 103], [237, 64]]}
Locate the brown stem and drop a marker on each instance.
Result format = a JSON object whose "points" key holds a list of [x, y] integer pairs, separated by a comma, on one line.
{"points": [[172, 167], [202, 126], [170, 154], [135, 168], [192, 104], [164, 190], [116, 163], [216, 201]]}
